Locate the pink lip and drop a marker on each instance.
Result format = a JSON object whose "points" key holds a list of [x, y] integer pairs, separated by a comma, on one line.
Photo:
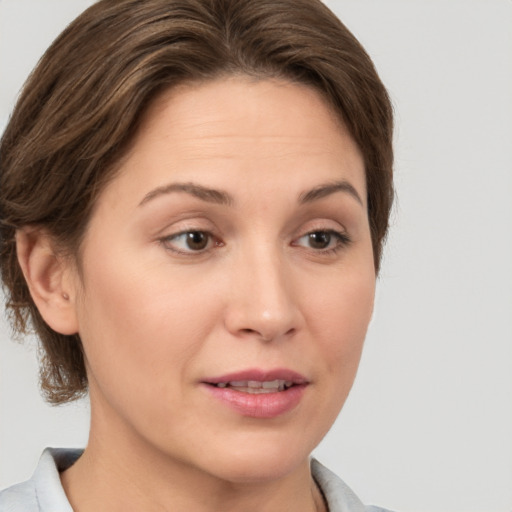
{"points": [[264, 405], [260, 375]]}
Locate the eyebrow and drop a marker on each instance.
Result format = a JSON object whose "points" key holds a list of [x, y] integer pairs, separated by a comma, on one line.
{"points": [[327, 189], [209, 195], [221, 197]]}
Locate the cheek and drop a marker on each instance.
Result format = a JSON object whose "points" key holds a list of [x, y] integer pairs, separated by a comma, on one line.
{"points": [[339, 317], [139, 327]]}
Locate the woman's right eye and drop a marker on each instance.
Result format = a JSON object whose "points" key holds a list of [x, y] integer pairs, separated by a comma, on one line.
{"points": [[189, 241]]}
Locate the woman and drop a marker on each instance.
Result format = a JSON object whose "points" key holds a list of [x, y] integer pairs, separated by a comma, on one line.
{"points": [[194, 197]]}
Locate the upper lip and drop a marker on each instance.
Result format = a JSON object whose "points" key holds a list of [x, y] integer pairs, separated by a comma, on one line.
{"points": [[258, 375]]}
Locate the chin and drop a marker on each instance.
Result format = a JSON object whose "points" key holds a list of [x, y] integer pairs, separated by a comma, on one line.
{"points": [[259, 469], [261, 459]]}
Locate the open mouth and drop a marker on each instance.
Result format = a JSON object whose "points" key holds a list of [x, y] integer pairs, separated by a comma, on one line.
{"points": [[256, 387], [257, 393]]}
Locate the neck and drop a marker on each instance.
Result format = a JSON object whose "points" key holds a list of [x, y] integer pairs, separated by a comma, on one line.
{"points": [[123, 472]]}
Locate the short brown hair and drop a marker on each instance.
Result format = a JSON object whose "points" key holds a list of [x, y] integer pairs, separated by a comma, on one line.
{"points": [[82, 105]]}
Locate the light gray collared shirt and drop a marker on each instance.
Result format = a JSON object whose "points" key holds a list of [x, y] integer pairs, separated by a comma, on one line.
{"points": [[44, 492]]}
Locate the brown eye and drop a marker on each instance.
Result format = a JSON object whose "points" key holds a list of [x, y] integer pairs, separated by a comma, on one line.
{"points": [[196, 240], [319, 239], [323, 241], [188, 241]]}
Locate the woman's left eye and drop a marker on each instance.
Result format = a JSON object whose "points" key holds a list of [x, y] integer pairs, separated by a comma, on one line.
{"points": [[323, 240], [188, 241]]}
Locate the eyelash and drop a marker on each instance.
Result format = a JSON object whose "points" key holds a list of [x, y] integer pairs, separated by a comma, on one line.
{"points": [[167, 240], [342, 240]]}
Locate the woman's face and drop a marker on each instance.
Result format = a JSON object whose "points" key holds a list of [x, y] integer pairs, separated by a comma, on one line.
{"points": [[227, 280]]}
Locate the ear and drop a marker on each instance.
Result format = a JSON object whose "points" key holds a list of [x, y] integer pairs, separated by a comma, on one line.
{"points": [[50, 278]]}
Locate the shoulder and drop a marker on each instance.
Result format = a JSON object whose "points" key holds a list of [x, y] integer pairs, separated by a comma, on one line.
{"points": [[19, 498], [43, 492], [338, 495]]}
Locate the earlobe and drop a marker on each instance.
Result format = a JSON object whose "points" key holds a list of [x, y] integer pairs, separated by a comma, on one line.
{"points": [[49, 279]]}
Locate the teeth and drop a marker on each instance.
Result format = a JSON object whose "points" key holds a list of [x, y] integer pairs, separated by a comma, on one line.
{"points": [[256, 386], [239, 383]]}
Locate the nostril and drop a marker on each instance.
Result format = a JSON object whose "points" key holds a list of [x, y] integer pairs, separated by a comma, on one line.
{"points": [[266, 336], [256, 333]]}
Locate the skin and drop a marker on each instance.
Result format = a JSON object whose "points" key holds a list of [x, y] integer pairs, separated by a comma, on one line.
{"points": [[157, 317]]}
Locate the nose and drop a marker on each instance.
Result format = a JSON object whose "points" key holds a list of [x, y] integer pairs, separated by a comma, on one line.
{"points": [[262, 303]]}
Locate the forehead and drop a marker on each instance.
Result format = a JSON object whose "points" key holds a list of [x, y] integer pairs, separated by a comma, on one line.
{"points": [[266, 131], [241, 107], [249, 94]]}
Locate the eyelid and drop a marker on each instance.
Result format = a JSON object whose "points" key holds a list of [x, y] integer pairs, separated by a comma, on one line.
{"points": [[170, 235], [341, 236], [321, 224], [166, 242]]}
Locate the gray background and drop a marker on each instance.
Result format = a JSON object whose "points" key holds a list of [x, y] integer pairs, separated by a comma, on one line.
{"points": [[428, 426]]}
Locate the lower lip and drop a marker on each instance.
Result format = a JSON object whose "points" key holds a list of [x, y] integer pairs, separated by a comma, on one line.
{"points": [[261, 405]]}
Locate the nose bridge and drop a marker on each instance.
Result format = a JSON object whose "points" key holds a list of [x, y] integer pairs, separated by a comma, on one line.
{"points": [[263, 302]]}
